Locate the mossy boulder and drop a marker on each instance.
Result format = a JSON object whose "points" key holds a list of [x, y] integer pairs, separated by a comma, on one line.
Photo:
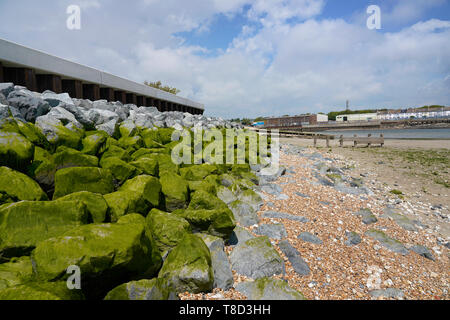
{"points": [[137, 195], [94, 202], [120, 170], [16, 186], [252, 198], [146, 165], [115, 151], [386, 241], [15, 272], [225, 194], [203, 185], [58, 134], [24, 224], [128, 129], [154, 289], [68, 157], [151, 138], [94, 143], [107, 255], [166, 165], [16, 151], [175, 190], [135, 142], [165, 135], [168, 229], [198, 172], [33, 134], [70, 180], [269, 289], [188, 266], [41, 291], [217, 222], [204, 200], [43, 168]]}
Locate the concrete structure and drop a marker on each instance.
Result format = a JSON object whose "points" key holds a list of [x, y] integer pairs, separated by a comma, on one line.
{"points": [[295, 121], [39, 71], [356, 117], [434, 113]]}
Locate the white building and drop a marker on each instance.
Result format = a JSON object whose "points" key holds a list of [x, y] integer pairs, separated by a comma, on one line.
{"points": [[357, 117]]}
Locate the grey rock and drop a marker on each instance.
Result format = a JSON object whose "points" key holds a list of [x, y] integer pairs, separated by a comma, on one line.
{"points": [[225, 194], [401, 220], [268, 289], [302, 195], [252, 198], [6, 111], [223, 277], [283, 215], [55, 99], [309, 237], [272, 188], [244, 213], [282, 197], [256, 258], [28, 103], [6, 88], [239, 236], [64, 116], [367, 216], [3, 99], [80, 115], [387, 242], [109, 127], [387, 293], [353, 239], [273, 231], [422, 251], [294, 257], [101, 116]]}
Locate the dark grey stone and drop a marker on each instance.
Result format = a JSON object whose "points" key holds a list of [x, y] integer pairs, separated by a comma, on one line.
{"points": [[283, 215], [423, 251], [244, 213], [353, 239], [294, 257], [389, 243], [367, 216], [387, 293], [309, 237], [239, 236], [274, 231], [268, 289]]}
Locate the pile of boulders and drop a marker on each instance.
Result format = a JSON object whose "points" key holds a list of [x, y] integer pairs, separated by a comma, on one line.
{"points": [[92, 186]]}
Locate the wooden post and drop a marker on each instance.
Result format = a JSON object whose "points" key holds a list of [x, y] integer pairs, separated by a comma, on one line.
{"points": [[131, 98], [140, 101], [382, 136], [107, 94], [2, 78], [120, 96], [354, 141], [91, 91], [368, 142], [341, 140], [48, 82], [328, 141], [21, 76], [73, 87], [315, 141]]}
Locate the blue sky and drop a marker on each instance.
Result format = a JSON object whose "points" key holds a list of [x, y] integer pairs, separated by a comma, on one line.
{"points": [[248, 58]]}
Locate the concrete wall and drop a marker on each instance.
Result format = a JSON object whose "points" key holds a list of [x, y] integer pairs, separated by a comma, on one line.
{"points": [[23, 63]]}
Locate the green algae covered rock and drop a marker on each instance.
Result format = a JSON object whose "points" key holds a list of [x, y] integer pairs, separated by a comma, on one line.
{"points": [[204, 200], [203, 185], [154, 289], [58, 134], [188, 266], [43, 168], [41, 291], [68, 157], [16, 186], [386, 241], [137, 195], [151, 138], [115, 151], [175, 190], [132, 218], [94, 143], [198, 172], [269, 289], [24, 224], [33, 134], [168, 229], [252, 198], [166, 164], [107, 255], [121, 170], [94, 202], [70, 180], [135, 142], [217, 222], [15, 272], [16, 151], [165, 135], [146, 165]]}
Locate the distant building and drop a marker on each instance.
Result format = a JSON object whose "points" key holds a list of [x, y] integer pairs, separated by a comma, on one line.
{"points": [[415, 114], [357, 117], [295, 121]]}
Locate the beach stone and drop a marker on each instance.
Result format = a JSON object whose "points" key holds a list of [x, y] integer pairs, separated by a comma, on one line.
{"points": [[188, 266], [353, 239], [64, 116], [154, 289], [283, 215], [239, 236], [294, 257], [274, 231], [391, 244], [401, 220], [244, 213], [105, 253], [309, 237], [94, 202], [272, 189], [223, 277], [302, 195], [387, 293], [422, 251], [252, 198], [282, 197], [25, 224], [268, 289], [29, 104], [256, 258], [367, 216], [225, 194]]}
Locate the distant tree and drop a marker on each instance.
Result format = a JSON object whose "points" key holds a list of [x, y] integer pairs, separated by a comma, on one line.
{"points": [[158, 85]]}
